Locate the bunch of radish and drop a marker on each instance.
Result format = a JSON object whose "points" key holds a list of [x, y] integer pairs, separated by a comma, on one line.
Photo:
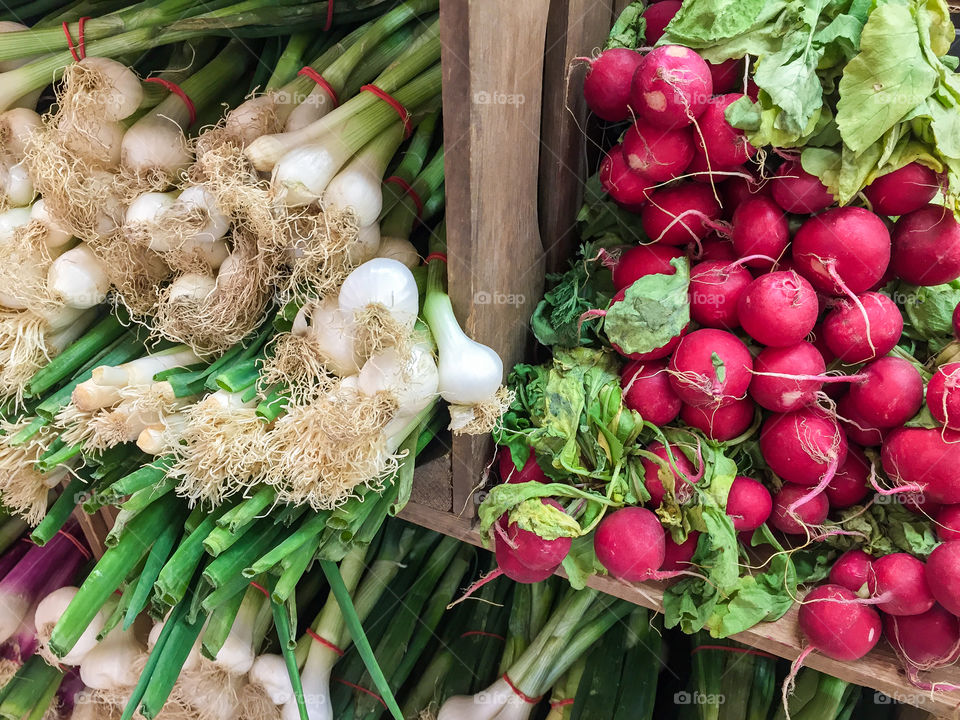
{"points": [[792, 345]]}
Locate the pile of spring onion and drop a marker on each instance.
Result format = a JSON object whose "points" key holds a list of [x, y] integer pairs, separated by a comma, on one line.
{"points": [[224, 321]]}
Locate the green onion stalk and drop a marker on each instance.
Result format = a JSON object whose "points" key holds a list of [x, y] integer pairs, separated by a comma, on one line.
{"points": [[729, 681]]}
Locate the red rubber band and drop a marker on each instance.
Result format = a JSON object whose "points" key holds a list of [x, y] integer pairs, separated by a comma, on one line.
{"points": [[323, 641], [261, 588], [395, 104], [178, 91], [484, 634], [519, 693], [410, 192], [76, 543], [329, 16], [321, 81], [730, 648], [562, 703], [442, 257], [371, 693], [78, 51]]}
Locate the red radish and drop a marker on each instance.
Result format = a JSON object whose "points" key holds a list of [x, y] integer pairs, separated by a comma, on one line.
{"points": [[630, 544], [529, 548], [722, 145], [680, 214], [642, 260], [671, 87], [837, 625], [902, 191], [956, 321], [716, 248], [760, 228], [797, 191], [655, 472], [857, 429], [851, 570], [606, 86], [530, 472], [646, 389], [900, 579], [917, 503], [657, 154], [820, 344], [711, 172], [943, 395], [806, 515], [948, 523], [924, 642], [726, 75], [926, 246], [927, 458], [890, 393], [628, 189], [739, 188], [943, 575], [720, 423], [749, 503], [710, 367], [715, 290], [658, 15], [825, 252], [851, 484], [778, 309], [804, 447], [784, 394], [678, 556], [509, 564], [845, 331]]}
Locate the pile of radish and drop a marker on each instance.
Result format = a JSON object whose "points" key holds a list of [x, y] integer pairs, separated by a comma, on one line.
{"points": [[796, 362]]}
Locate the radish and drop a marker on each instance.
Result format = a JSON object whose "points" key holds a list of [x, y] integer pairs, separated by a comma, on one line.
{"points": [[802, 365], [646, 389], [671, 87], [851, 571], [890, 393], [627, 188], [926, 641], [720, 423], [797, 191], [530, 549], [955, 321], [926, 246], [943, 395], [657, 154], [760, 228], [677, 556], [857, 429], [778, 309], [509, 564], [679, 214], [739, 188], [851, 483], [919, 504], [948, 523], [825, 252], [606, 87], [805, 447], [726, 75], [658, 15], [943, 575], [530, 472], [654, 473], [715, 290], [749, 503], [845, 331], [720, 145], [630, 544], [927, 458], [900, 579], [836, 624], [643, 260], [716, 248], [902, 191], [820, 344], [799, 519], [710, 367]]}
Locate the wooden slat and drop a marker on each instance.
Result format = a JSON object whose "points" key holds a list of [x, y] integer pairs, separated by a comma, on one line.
{"points": [[492, 83]]}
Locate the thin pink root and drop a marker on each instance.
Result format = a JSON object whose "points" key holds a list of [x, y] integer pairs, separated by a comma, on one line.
{"points": [[836, 532], [832, 269], [814, 491], [704, 219], [589, 315], [791, 680], [814, 378], [503, 535], [489, 577], [670, 574], [877, 600], [607, 259], [909, 487], [748, 258], [914, 678]]}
